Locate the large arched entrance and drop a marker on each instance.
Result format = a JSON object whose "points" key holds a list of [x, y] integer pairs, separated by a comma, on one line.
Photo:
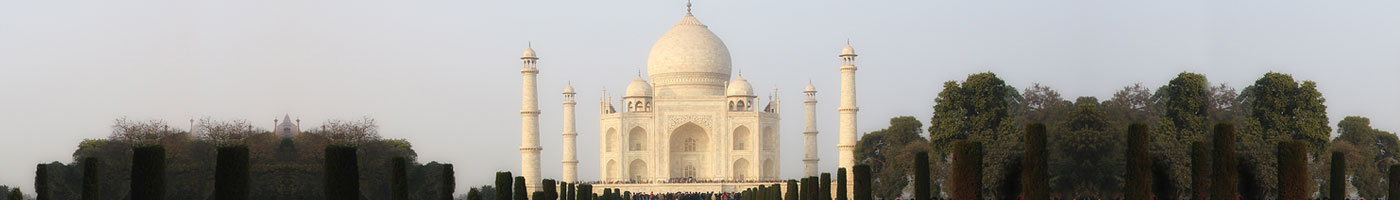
{"points": [[689, 146]]}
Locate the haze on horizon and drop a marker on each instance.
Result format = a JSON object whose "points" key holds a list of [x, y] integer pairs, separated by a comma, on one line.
{"points": [[444, 74]]}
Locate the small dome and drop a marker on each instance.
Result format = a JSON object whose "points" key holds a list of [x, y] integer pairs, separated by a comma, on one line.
{"points": [[569, 89], [529, 53], [844, 51], [739, 87], [638, 88], [810, 88]]}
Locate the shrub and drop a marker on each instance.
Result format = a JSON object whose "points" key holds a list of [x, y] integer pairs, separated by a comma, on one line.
{"points": [[1226, 167], [148, 172], [967, 170], [863, 182], [473, 194], [231, 173], [1394, 180], [520, 192], [92, 185], [398, 179], [1293, 170], [342, 172], [1200, 171], [1037, 179], [841, 184], [503, 184], [792, 190], [1139, 174], [547, 186], [1337, 186], [41, 182], [921, 176], [449, 182], [824, 193]]}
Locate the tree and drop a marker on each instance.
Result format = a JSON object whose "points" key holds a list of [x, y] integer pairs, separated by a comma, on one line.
{"points": [[840, 184], [1036, 180], [862, 182], [1223, 186], [1184, 105], [15, 194], [982, 108], [504, 185], [231, 173], [1293, 170], [520, 191], [148, 172], [342, 172], [1139, 185], [449, 182], [473, 194], [1338, 185], [921, 177], [967, 170], [92, 185], [1200, 171], [398, 181], [793, 192], [824, 192], [1373, 148], [1394, 185], [547, 185], [890, 153]]}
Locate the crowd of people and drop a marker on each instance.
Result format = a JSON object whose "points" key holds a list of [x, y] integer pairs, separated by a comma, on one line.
{"points": [[685, 196], [681, 180]]}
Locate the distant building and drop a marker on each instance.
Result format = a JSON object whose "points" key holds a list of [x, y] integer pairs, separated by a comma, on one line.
{"points": [[286, 128]]}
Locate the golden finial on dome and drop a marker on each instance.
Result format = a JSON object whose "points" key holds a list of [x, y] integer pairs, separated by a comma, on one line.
{"points": [[687, 6]]}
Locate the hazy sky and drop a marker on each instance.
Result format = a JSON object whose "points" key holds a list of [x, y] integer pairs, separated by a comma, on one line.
{"points": [[445, 74]]}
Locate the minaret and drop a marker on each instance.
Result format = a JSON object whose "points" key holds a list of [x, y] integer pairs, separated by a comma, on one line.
{"points": [[529, 122], [570, 150], [809, 160], [848, 108]]}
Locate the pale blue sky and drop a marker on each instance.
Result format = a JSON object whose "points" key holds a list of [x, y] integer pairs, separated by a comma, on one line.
{"points": [[444, 74]]}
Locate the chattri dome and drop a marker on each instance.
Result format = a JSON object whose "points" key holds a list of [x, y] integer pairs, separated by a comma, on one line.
{"points": [[638, 88]]}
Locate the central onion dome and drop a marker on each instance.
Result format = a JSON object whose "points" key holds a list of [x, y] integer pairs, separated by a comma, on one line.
{"points": [[689, 60]]}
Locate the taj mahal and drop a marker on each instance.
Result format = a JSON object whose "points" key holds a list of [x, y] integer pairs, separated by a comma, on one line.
{"points": [[689, 125]]}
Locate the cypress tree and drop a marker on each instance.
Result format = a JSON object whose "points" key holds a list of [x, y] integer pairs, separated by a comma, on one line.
{"points": [[547, 186], [967, 171], [1394, 180], [231, 173], [806, 192], [921, 177], [148, 172], [824, 193], [538, 195], [1337, 186], [473, 194], [520, 192], [398, 179], [41, 182], [1226, 167], [503, 186], [862, 182], [342, 172], [563, 193], [841, 183], [1139, 175], [1200, 171], [1293, 170], [1037, 179], [792, 190], [449, 182], [584, 192], [92, 186]]}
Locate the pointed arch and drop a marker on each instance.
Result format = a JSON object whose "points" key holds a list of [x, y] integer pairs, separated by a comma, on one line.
{"points": [[610, 140], [741, 170], [611, 171], [742, 138], [637, 139], [770, 169], [637, 170]]}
